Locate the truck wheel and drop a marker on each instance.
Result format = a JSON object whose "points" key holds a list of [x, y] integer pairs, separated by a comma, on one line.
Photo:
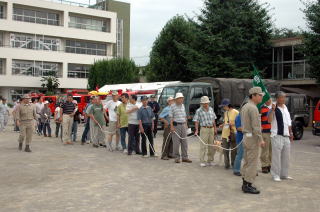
{"points": [[297, 130]]}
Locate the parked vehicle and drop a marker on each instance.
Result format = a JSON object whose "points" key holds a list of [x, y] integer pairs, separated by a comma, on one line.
{"points": [[316, 120]]}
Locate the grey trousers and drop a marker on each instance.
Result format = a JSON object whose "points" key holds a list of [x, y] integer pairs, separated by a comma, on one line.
{"points": [[280, 156], [182, 132]]}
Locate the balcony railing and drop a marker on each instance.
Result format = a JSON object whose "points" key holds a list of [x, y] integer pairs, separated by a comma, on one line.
{"points": [[93, 4]]}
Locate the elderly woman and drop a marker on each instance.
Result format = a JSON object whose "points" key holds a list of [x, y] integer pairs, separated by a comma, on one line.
{"points": [[281, 135]]}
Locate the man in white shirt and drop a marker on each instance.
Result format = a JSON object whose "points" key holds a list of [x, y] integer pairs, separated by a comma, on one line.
{"points": [[133, 126], [112, 106], [281, 135], [39, 105]]}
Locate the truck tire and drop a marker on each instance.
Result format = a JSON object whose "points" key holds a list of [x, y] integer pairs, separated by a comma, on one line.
{"points": [[297, 130]]}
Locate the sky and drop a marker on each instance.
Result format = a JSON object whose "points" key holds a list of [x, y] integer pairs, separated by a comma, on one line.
{"points": [[149, 16]]}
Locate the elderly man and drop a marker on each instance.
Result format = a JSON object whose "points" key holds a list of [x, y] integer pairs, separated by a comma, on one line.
{"points": [[167, 146], [178, 126], [251, 128], [112, 106], [229, 132], [25, 114], [97, 115], [67, 112], [206, 117], [281, 135], [266, 151]]}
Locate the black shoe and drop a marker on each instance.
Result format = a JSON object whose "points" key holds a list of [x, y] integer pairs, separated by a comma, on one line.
{"points": [[250, 189], [27, 149], [265, 170], [20, 146], [95, 145], [227, 167], [237, 173], [269, 169]]}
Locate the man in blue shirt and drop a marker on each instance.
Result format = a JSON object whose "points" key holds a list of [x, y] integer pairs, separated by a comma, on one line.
{"points": [[239, 137], [167, 146]]}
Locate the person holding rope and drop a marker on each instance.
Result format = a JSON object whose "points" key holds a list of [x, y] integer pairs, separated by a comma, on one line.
{"points": [[228, 132], [133, 126], [178, 126], [97, 115], [146, 125], [206, 117], [251, 128], [167, 146]]}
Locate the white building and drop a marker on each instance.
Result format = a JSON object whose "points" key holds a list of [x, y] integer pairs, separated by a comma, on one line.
{"points": [[39, 37]]}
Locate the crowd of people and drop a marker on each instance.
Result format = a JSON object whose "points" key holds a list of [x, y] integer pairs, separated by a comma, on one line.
{"points": [[245, 134]]}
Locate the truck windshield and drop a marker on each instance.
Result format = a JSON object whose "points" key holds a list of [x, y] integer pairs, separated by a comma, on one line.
{"points": [[171, 92]]}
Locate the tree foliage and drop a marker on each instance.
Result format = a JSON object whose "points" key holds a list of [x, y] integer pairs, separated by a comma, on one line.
{"points": [[51, 83], [312, 38], [114, 71], [167, 61]]}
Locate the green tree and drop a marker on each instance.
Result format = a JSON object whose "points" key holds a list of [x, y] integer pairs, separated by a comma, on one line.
{"points": [[312, 38], [50, 82], [167, 61], [231, 36], [114, 71]]}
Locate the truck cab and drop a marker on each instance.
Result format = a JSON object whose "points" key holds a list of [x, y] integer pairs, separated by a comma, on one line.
{"points": [[192, 93]]}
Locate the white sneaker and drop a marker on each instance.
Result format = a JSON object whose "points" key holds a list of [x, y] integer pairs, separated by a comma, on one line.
{"points": [[145, 156], [125, 151], [276, 179], [203, 165], [211, 164], [287, 178]]}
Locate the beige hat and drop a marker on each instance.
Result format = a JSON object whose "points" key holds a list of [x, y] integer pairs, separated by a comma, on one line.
{"points": [[26, 96], [204, 100], [114, 93], [46, 102], [170, 98], [179, 95], [256, 90]]}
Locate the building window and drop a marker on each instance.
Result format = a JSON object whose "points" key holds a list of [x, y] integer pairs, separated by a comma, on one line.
{"points": [[119, 38], [2, 68], [83, 47], [35, 68], [33, 16], [89, 23], [37, 42], [78, 70], [2, 12], [289, 62]]}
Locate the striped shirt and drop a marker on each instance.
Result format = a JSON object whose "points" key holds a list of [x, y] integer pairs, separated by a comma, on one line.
{"points": [[178, 113], [205, 118], [265, 125], [68, 108]]}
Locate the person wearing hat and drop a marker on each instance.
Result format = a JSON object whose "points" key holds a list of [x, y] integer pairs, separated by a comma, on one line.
{"points": [[206, 117], [229, 132], [178, 126], [146, 125], [25, 114], [251, 128], [113, 129], [67, 112], [281, 136], [45, 115], [167, 146], [155, 108]]}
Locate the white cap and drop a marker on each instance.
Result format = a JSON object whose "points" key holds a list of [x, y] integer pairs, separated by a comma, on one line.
{"points": [[179, 95]]}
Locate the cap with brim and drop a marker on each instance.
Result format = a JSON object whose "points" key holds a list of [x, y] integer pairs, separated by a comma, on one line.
{"points": [[152, 96], [179, 95], [256, 90], [114, 93], [225, 102], [144, 98]]}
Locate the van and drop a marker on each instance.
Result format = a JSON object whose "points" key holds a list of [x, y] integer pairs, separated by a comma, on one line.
{"points": [[192, 93]]}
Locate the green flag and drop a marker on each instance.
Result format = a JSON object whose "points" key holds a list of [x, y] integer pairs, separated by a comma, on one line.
{"points": [[257, 82]]}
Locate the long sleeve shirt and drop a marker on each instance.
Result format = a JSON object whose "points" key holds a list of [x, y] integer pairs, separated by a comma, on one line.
{"points": [[251, 121], [26, 112]]}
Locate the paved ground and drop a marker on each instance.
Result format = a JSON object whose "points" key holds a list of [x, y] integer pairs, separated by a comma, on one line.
{"points": [[80, 178]]}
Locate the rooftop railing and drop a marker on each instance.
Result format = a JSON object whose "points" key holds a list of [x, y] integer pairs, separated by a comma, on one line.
{"points": [[93, 4]]}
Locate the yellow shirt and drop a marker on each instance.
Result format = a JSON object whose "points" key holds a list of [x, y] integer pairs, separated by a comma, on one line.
{"points": [[229, 117]]}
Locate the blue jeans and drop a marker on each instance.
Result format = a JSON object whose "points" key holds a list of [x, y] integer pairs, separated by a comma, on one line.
{"points": [[74, 131], [46, 126], [237, 161], [86, 131], [123, 132]]}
